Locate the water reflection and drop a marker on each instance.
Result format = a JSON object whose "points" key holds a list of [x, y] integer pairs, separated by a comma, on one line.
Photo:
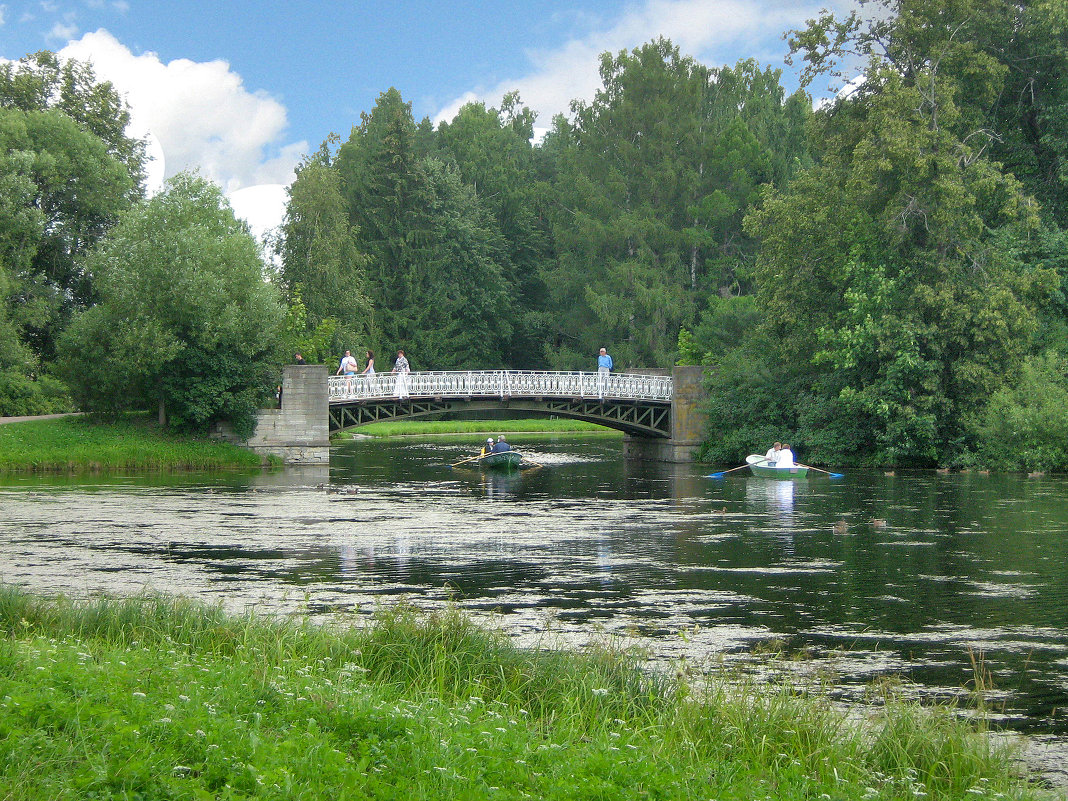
{"points": [[590, 545]]}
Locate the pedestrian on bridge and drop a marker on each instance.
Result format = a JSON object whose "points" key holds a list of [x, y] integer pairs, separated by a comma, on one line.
{"points": [[604, 367], [349, 365], [401, 368]]}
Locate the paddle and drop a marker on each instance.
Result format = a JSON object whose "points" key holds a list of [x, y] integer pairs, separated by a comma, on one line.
{"points": [[818, 470], [468, 459], [722, 473]]}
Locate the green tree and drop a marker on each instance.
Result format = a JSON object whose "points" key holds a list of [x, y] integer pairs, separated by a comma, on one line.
{"points": [[497, 160], [322, 267], [654, 177], [186, 322], [69, 170], [437, 262], [885, 267]]}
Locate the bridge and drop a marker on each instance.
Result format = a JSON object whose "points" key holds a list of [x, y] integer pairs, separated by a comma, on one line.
{"points": [[659, 411], [638, 404]]}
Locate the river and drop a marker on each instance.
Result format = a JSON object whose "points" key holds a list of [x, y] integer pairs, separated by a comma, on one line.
{"points": [[917, 578]]}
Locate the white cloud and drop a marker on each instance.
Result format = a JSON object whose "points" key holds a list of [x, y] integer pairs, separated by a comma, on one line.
{"points": [[62, 32], [708, 31], [262, 207], [201, 113], [3, 13]]}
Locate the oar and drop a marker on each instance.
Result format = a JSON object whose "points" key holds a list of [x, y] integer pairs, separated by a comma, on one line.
{"points": [[468, 459], [818, 470], [724, 472], [531, 461]]}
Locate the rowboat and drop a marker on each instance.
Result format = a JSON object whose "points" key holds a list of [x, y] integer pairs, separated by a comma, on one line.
{"points": [[758, 466], [502, 460]]}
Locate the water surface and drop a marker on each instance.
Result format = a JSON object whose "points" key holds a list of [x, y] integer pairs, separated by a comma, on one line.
{"points": [[933, 576]]}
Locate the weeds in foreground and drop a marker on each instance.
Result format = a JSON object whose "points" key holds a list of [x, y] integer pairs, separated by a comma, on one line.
{"points": [[162, 698]]}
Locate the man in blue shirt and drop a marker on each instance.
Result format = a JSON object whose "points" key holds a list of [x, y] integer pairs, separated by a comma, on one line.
{"points": [[604, 367], [501, 445]]}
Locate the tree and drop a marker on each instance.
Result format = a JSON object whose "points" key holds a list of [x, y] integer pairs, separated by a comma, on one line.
{"points": [[322, 267], [654, 177], [885, 268], [497, 160], [186, 321], [69, 170], [437, 263]]}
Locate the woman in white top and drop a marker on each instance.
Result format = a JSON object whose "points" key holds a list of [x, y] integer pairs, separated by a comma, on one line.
{"points": [[785, 457]]}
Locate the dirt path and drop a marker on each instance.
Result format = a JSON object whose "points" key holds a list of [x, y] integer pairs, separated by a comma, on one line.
{"points": [[37, 417]]}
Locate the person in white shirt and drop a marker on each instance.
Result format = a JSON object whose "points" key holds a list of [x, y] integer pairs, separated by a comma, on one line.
{"points": [[773, 454], [785, 457], [348, 365]]}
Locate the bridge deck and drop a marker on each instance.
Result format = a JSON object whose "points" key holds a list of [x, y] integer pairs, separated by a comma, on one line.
{"points": [[502, 384]]}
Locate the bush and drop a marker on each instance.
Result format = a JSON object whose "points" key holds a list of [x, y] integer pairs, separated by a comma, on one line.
{"points": [[1025, 425], [23, 395]]}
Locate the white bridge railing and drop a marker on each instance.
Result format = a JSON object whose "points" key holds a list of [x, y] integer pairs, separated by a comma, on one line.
{"points": [[501, 384]]}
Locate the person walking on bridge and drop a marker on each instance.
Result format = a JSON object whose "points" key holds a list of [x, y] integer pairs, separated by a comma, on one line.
{"points": [[401, 368], [604, 367], [349, 365]]}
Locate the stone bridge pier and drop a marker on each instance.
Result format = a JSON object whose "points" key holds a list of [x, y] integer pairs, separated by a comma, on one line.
{"points": [[688, 420]]}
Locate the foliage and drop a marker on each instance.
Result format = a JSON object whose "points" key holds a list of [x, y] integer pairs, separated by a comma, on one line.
{"points": [[322, 268], [317, 345], [888, 268], [185, 319], [437, 261], [654, 177], [67, 170], [493, 151], [1024, 427]]}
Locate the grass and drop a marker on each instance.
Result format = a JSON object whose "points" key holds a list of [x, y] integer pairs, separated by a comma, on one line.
{"points": [[161, 698], [78, 444], [536, 425]]}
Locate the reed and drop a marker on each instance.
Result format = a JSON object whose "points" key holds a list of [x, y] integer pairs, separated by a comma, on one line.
{"points": [[158, 697], [79, 444]]}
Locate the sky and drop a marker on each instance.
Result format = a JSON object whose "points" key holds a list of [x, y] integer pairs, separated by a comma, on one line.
{"points": [[242, 89]]}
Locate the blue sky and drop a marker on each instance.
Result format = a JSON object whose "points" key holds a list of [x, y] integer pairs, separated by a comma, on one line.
{"points": [[241, 90]]}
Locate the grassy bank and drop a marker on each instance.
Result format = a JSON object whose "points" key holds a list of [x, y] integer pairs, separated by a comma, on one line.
{"points": [[536, 425], [76, 443], [160, 698]]}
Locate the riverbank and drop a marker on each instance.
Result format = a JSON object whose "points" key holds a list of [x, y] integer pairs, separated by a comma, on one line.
{"points": [[75, 444], [556, 425], [159, 697]]}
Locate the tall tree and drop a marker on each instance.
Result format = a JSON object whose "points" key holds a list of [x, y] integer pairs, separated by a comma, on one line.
{"points": [[655, 174], [186, 322], [437, 264], [63, 137], [321, 263], [884, 269], [497, 159]]}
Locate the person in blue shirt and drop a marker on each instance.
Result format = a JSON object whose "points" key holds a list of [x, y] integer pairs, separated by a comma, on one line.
{"points": [[604, 367], [501, 445]]}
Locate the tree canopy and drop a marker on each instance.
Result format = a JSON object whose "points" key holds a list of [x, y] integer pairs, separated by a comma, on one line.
{"points": [[185, 320]]}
